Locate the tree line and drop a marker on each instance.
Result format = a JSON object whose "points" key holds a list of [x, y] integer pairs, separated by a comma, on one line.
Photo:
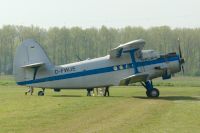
{"points": [[66, 45]]}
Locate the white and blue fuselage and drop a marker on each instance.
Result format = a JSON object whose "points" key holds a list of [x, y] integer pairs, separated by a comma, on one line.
{"points": [[100, 72]]}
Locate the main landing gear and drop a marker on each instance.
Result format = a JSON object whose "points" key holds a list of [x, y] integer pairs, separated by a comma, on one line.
{"points": [[151, 91], [41, 93]]}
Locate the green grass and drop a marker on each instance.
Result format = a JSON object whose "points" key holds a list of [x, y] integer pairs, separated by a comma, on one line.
{"points": [[127, 110]]}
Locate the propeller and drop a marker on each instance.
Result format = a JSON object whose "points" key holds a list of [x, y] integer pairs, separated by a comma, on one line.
{"points": [[181, 60]]}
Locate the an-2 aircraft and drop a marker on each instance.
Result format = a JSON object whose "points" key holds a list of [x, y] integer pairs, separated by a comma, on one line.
{"points": [[124, 65]]}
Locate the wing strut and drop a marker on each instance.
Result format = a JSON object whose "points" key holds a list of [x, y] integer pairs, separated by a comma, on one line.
{"points": [[134, 63], [35, 72], [132, 54]]}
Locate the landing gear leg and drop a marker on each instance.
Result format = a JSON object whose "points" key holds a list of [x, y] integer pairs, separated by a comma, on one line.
{"points": [[41, 93], [151, 91], [107, 92]]}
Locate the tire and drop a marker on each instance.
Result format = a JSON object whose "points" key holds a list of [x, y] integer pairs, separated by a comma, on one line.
{"points": [[40, 93], [154, 93]]}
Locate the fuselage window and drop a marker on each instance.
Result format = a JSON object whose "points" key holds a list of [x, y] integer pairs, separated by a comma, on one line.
{"points": [[129, 66], [121, 67], [115, 68]]}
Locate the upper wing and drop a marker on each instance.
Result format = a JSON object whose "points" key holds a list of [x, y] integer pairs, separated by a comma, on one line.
{"points": [[136, 44], [134, 78]]}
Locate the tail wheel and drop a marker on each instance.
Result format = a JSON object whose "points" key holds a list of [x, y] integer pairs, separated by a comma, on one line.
{"points": [[153, 93]]}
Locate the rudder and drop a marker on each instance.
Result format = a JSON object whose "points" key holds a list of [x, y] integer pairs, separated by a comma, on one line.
{"points": [[28, 56]]}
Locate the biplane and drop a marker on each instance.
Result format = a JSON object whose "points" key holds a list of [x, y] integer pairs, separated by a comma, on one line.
{"points": [[124, 65]]}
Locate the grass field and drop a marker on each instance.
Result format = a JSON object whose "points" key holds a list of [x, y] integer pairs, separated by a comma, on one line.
{"points": [[127, 110]]}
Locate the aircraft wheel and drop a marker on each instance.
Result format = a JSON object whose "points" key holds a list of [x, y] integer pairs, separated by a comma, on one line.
{"points": [[40, 93], [154, 93]]}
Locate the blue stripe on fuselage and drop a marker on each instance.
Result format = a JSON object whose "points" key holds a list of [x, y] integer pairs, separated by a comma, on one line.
{"points": [[95, 71]]}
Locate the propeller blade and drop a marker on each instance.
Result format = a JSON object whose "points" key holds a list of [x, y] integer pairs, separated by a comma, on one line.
{"points": [[183, 69], [179, 47], [181, 61], [180, 51]]}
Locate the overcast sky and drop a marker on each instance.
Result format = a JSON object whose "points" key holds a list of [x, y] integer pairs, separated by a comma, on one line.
{"points": [[95, 13]]}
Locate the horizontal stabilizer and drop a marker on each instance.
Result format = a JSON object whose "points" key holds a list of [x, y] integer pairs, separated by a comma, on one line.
{"points": [[33, 65], [136, 44], [134, 78]]}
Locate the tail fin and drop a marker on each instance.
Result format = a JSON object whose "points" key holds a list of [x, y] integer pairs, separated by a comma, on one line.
{"points": [[28, 58]]}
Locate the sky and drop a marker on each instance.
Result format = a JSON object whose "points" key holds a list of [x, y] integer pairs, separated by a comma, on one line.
{"points": [[95, 13]]}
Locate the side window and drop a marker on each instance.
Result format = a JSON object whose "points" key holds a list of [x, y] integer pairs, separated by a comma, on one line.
{"points": [[129, 66], [121, 67], [115, 68]]}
